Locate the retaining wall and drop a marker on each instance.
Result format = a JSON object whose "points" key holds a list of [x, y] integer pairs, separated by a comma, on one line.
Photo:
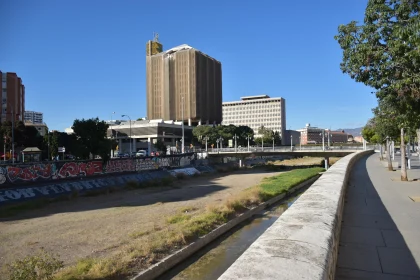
{"points": [[19, 194], [303, 242], [40, 172]]}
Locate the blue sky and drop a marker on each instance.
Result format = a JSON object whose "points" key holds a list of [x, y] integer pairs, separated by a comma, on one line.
{"points": [[83, 59]]}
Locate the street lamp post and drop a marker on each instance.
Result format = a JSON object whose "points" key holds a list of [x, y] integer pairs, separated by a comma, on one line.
{"points": [[235, 137], [182, 110], [248, 137], [221, 142], [291, 142], [273, 142], [328, 135], [262, 143], [206, 139], [300, 144], [217, 144], [130, 131], [323, 140]]}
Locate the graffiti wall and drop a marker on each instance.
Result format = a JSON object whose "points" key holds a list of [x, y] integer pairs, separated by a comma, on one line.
{"points": [[19, 194], [190, 171], [39, 172]]}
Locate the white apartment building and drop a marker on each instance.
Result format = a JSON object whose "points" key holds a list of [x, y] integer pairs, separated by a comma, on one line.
{"points": [[34, 117], [257, 111]]}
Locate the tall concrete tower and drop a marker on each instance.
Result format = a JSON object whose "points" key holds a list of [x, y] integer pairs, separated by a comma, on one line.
{"points": [[183, 84]]}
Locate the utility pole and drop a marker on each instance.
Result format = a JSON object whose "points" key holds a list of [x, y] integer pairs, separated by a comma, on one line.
{"points": [[4, 155], [182, 110], [13, 136], [323, 140], [291, 142]]}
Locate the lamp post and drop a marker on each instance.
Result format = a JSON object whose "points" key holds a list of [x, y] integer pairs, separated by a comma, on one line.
{"points": [[323, 139], [262, 143], [291, 142], [221, 142], [235, 137], [130, 131], [113, 113], [249, 138], [328, 135], [206, 139], [273, 141], [182, 112], [4, 155]]}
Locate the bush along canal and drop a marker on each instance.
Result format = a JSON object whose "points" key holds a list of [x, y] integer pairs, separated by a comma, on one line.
{"points": [[212, 261]]}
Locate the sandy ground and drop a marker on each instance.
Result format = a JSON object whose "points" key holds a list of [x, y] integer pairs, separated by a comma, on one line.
{"points": [[98, 226]]}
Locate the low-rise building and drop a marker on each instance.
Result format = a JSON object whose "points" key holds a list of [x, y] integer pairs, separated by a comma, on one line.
{"points": [[143, 134], [314, 135]]}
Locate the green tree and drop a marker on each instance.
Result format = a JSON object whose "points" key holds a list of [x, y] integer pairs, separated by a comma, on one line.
{"points": [[383, 53], [160, 146], [91, 134]]}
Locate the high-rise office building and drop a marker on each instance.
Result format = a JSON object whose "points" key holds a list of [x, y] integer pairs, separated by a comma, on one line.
{"points": [[34, 117], [257, 111], [12, 97], [183, 84]]}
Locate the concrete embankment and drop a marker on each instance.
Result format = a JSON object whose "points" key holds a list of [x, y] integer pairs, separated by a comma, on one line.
{"points": [[303, 242]]}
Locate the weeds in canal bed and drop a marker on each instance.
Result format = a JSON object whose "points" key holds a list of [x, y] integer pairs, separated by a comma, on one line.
{"points": [[183, 228]]}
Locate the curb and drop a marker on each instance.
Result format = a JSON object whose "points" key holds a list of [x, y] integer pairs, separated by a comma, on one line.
{"points": [[182, 254]]}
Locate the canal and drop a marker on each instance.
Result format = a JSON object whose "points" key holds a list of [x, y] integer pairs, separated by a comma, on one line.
{"points": [[212, 261]]}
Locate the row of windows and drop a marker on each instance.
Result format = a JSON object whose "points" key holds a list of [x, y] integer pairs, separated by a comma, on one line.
{"points": [[241, 108]]}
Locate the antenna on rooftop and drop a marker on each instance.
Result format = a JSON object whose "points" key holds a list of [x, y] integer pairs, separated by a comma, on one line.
{"points": [[155, 37]]}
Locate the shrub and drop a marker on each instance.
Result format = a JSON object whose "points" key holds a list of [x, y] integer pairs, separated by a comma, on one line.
{"points": [[36, 267], [181, 175], [167, 181]]}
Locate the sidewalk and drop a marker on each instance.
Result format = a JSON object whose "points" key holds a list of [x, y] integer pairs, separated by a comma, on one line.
{"points": [[380, 237]]}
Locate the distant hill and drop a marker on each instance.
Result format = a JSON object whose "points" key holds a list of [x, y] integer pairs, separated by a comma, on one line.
{"points": [[352, 131]]}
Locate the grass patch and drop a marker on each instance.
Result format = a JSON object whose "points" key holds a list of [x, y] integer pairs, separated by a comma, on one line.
{"points": [[178, 218], [183, 228], [138, 234], [42, 265]]}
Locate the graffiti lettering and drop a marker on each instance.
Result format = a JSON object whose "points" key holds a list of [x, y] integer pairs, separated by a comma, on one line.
{"points": [[29, 173], [122, 165], [75, 169], [146, 164], [190, 171]]}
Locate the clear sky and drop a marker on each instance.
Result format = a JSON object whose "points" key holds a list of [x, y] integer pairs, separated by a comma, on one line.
{"points": [[83, 59]]}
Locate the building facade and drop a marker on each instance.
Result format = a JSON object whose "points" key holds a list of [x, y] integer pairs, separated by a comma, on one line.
{"points": [[145, 133], [12, 97], [41, 127], [257, 111], [183, 84], [34, 117], [313, 135]]}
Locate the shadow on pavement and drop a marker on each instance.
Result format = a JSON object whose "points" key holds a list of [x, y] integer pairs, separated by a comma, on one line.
{"points": [[371, 245]]}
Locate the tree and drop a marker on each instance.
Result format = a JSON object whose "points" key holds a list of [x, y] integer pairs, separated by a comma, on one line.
{"points": [[160, 146], [222, 131], [91, 134], [383, 53]]}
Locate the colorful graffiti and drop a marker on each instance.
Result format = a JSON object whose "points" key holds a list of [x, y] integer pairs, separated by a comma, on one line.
{"points": [[120, 165], [143, 164], [18, 194], [30, 173], [38, 172], [76, 169], [190, 171]]}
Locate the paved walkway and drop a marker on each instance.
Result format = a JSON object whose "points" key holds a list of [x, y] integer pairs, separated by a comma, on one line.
{"points": [[380, 238]]}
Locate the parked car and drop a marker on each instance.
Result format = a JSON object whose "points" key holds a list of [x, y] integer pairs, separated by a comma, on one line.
{"points": [[141, 153]]}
